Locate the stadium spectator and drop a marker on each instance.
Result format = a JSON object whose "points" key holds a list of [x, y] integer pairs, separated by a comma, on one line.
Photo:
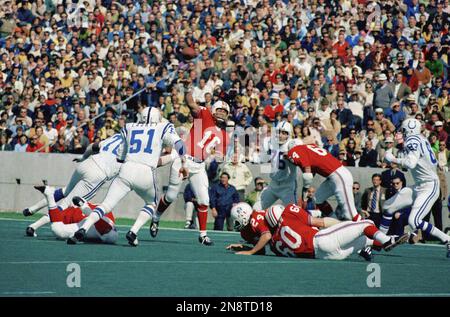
{"points": [[254, 197], [4, 145], [357, 196], [372, 200], [240, 175], [222, 198], [387, 178]]}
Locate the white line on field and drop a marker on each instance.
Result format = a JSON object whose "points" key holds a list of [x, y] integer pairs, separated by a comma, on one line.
{"points": [[128, 226], [26, 293]]}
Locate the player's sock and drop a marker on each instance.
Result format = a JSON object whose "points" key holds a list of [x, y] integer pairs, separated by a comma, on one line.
{"points": [[143, 217], [385, 223], [202, 219], [372, 232], [93, 218], [55, 214], [435, 232], [38, 206], [40, 222], [58, 194], [162, 206]]}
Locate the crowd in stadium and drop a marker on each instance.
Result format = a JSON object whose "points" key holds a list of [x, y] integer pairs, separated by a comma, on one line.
{"points": [[343, 73]]}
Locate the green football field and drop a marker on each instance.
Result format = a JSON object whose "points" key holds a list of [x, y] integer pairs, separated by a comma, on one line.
{"points": [[175, 264]]}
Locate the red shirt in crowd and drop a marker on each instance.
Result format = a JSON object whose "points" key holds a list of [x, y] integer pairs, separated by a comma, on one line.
{"points": [[271, 112]]}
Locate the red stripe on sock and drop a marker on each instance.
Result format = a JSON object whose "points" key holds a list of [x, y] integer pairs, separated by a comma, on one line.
{"points": [[163, 205], [202, 217], [370, 231]]}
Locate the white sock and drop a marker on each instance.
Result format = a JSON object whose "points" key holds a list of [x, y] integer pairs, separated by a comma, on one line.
{"points": [[140, 221], [90, 220], [189, 209], [42, 221], [50, 200], [381, 237], [38, 206], [435, 232], [203, 233]]}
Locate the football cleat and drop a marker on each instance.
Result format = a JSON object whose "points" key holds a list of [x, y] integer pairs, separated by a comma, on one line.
{"points": [[447, 245], [26, 212], [395, 241], [79, 236], [187, 225], [154, 228], [40, 188], [205, 240], [366, 253], [414, 237], [30, 232], [132, 238], [78, 201]]}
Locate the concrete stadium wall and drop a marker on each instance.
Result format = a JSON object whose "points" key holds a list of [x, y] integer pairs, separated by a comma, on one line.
{"points": [[21, 171]]}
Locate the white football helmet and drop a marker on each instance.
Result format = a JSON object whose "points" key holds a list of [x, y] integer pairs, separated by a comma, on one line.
{"points": [[240, 215], [273, 214], [293, 143], [411, 127], [284, 127], [150, 115], [220, 105]]}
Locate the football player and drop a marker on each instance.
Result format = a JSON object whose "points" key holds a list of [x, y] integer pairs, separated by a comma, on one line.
{"points": [[140, 154], [419, 158], [283, 175], [97, 165], [254, 228], [64, 223], [206, 136], [339, 181], [295, 234]]}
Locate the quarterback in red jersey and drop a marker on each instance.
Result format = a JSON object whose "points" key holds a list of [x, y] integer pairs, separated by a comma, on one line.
{"points": [[64, 223], [295, 235], [339, 181], [207, 136]]}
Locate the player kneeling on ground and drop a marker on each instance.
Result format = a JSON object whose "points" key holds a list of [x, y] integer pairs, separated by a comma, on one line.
{"points": [[255, 229], [65, 223]]}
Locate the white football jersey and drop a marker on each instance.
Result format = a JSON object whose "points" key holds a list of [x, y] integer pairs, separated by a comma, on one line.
{"points": [[418, 149], [143, 143], [106, 158], [282, 169]]}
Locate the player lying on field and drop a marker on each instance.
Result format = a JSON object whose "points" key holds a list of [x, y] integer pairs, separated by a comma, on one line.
{"points": [[255, 230], [64, 223], [293, 232]]}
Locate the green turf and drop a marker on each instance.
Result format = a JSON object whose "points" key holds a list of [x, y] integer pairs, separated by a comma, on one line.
{"points": [[119, 221], [175, 264]]}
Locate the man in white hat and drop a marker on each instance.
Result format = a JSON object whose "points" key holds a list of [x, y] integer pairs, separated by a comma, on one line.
{"points": [[270, 111], [384, 95]]}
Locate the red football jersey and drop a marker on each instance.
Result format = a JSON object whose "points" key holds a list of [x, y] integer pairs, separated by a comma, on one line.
{"points": [[320, 161], [205, 135], [294, 236], [256, 227], [75, 215]]}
